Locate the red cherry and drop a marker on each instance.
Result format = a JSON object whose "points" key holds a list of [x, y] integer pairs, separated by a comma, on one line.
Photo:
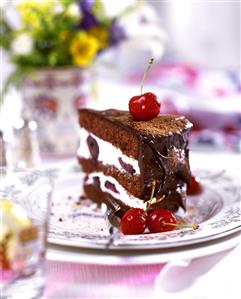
{"points": [[133, 222], [158, 221], [145, 106], [194, 187]]}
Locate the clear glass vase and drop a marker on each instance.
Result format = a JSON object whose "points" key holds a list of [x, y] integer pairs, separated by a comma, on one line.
{"points": [[51, 97]]}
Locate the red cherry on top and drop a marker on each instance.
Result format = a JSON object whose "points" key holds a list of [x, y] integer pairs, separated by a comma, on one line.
{"points": [[158, 221], [194, 187], [133, 222], [144, 107]]}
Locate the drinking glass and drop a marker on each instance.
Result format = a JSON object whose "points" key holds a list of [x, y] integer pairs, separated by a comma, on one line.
{"points": [[25, 196]]}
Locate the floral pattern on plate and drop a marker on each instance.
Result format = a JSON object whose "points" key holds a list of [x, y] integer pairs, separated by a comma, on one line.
{"points": [[81, 223]]}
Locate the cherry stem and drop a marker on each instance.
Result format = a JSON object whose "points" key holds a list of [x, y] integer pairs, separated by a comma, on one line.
{"points": [[153, 189], [152, 194], [193, 226], [150, 63]]}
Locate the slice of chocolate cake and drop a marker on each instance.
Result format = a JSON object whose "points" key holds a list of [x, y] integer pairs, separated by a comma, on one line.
{"points": [[122, 158]]}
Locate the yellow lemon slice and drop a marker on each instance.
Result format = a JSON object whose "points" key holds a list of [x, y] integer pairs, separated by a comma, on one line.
{"points": [[14, 215]]}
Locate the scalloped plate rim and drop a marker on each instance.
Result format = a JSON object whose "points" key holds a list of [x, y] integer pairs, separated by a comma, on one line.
{"points": [[100, 243]]}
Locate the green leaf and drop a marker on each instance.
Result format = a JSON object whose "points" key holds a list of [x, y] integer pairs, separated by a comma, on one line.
{"points": [[6, 34], [99, 11], [131, 9], [67, 3], [14, 79]]}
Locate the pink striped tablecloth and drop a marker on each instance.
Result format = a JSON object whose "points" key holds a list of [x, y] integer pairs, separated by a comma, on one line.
{"points": [[75, 281], [210, 277]]}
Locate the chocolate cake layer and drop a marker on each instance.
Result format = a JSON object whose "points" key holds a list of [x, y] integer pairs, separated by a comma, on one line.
{"points": [[130, 182], [160, 146], [107, 126], [120, 129]]}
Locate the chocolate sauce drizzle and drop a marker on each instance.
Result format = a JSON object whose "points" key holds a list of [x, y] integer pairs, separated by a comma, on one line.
{"points": [[168, 165]]}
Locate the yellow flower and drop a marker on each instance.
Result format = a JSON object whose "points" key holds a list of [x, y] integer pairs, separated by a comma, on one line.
{"points": [[83, 48], [30, 10], [101, 34]]}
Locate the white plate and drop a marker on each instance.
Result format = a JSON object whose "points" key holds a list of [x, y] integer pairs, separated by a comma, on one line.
{"points": [[140, 257], [81, 224]]}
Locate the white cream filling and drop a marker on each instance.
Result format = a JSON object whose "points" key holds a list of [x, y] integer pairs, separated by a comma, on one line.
{"points": [[108, 154], [123, 196]]}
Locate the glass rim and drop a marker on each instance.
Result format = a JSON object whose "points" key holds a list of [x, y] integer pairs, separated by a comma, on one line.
{"points": [[23, 169], [42, 173]]}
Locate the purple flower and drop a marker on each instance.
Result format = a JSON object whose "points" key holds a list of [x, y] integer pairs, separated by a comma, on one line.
{"points": [[117, 33], [86, 5], [88, 19]]}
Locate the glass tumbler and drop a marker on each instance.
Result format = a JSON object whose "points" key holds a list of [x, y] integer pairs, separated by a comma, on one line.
{"points": [[25, 196]]}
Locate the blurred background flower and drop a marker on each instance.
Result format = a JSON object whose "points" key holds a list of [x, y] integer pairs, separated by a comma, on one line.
{"points": [[56, 49], [72, 33], [22, 44], [83, 48]]}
